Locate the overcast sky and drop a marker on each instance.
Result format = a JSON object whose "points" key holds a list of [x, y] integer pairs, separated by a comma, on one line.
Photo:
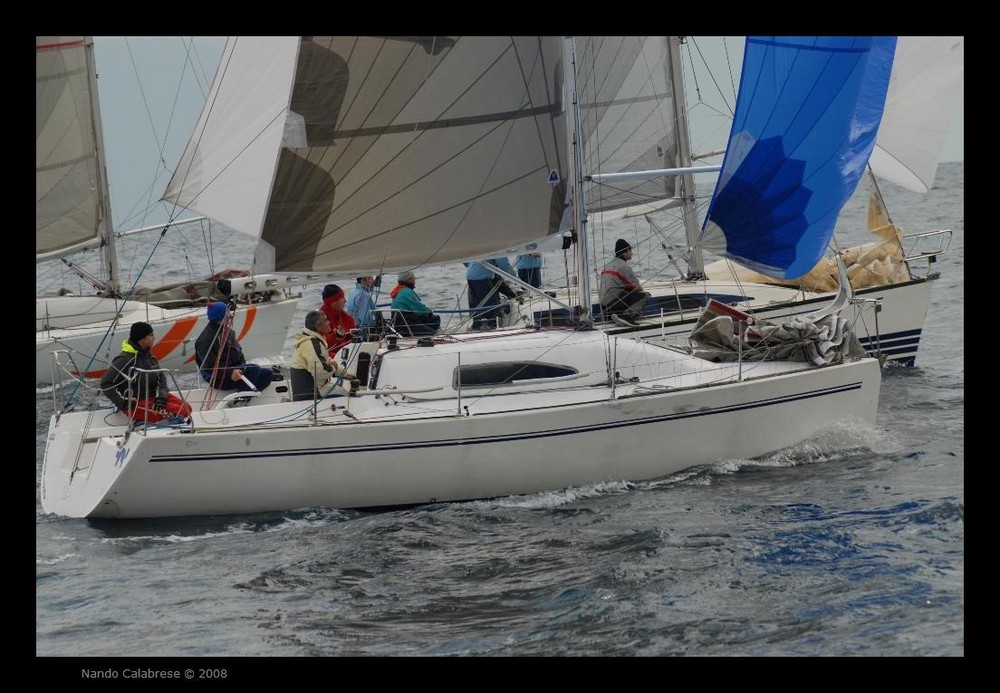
{"points": [[151, 96]]}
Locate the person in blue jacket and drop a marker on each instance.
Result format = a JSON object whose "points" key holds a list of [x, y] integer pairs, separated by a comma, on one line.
{"points": [[220, 357], [529, 269], [360, 303], [485, 289]]}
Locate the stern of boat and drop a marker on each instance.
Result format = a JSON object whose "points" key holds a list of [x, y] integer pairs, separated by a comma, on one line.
{"points": [[81, 464]]}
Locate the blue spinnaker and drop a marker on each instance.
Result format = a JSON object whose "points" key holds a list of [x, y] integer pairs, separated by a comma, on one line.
{"points": [[806, 118]]}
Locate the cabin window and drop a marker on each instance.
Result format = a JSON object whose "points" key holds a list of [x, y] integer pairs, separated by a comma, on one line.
{"points": [[490, 374]]}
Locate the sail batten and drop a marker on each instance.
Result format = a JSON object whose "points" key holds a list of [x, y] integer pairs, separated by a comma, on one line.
{"points": [[807, 114], [396, 151], [69, 207], [626, 106]]}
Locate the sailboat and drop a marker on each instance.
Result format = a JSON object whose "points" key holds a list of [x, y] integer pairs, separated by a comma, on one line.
{"points": [[401, 152], [891, 296], [77, 335]]}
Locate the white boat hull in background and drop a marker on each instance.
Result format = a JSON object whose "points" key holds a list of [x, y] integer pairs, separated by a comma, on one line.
{"points": [[83, 322], [894, 331]]}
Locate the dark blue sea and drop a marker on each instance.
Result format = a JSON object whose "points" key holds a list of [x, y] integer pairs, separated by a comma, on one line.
{"points": [[850, 545]]}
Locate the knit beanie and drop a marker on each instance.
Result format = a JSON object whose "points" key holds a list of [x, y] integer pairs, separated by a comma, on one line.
{"points": [[216, 311], [139, 330], [621, 247], [332, 290]]}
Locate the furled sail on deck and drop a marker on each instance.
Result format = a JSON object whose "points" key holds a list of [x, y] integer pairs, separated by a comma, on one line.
{"points": [[927, 78], [627, 118], [807, 115], [70, 182], [389, 152]]}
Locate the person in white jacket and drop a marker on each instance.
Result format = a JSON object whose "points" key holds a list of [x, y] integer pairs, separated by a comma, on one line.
{"points": [[311, 368]]}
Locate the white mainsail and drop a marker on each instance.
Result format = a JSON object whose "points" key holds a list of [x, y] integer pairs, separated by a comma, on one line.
{"points": [[227, 167], [397, 151], [70, 181]]}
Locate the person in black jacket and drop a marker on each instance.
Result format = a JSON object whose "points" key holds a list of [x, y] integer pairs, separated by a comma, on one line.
{"points": [[220, 357], [141, 396]]}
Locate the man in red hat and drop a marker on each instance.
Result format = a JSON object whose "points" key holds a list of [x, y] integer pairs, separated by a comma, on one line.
{"points": [[341, 322]]}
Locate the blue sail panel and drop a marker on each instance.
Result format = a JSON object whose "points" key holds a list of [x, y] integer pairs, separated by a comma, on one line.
{"points": [[807, 114]]}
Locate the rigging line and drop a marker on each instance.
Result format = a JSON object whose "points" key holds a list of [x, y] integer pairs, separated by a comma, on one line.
{"points": [[372, 133], [594, 137], [221, 338], [718, 88], [665, 120], [694, 71], [430, 258], [525, 100], [149, 118], [206, 237], [419, 134], [197, 63], [664, 239], [143, 215], [550, 98], [359, 92], [638, 195], [878, 192], [647, 257], [114, 321], [223, 69], [729, 64], [170, 121], [715, 81]]}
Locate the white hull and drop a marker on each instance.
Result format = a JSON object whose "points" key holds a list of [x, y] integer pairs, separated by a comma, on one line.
{"points": [[261, 329], [895, 331], [412, 451]]}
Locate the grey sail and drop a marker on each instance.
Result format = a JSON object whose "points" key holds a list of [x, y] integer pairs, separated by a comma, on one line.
{"points": [[70, 183], [390, 152], [627, 121]]}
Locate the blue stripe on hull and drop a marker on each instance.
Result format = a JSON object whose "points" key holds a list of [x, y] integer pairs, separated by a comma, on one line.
{"points": [[898, 347], [509, 437]]}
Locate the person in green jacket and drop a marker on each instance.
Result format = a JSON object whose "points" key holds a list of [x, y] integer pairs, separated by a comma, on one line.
{"points": [[413, 317]]}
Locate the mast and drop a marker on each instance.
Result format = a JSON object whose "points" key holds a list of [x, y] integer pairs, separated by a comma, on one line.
{"points": [[109, 256], [580, 206], [686, 193]]}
